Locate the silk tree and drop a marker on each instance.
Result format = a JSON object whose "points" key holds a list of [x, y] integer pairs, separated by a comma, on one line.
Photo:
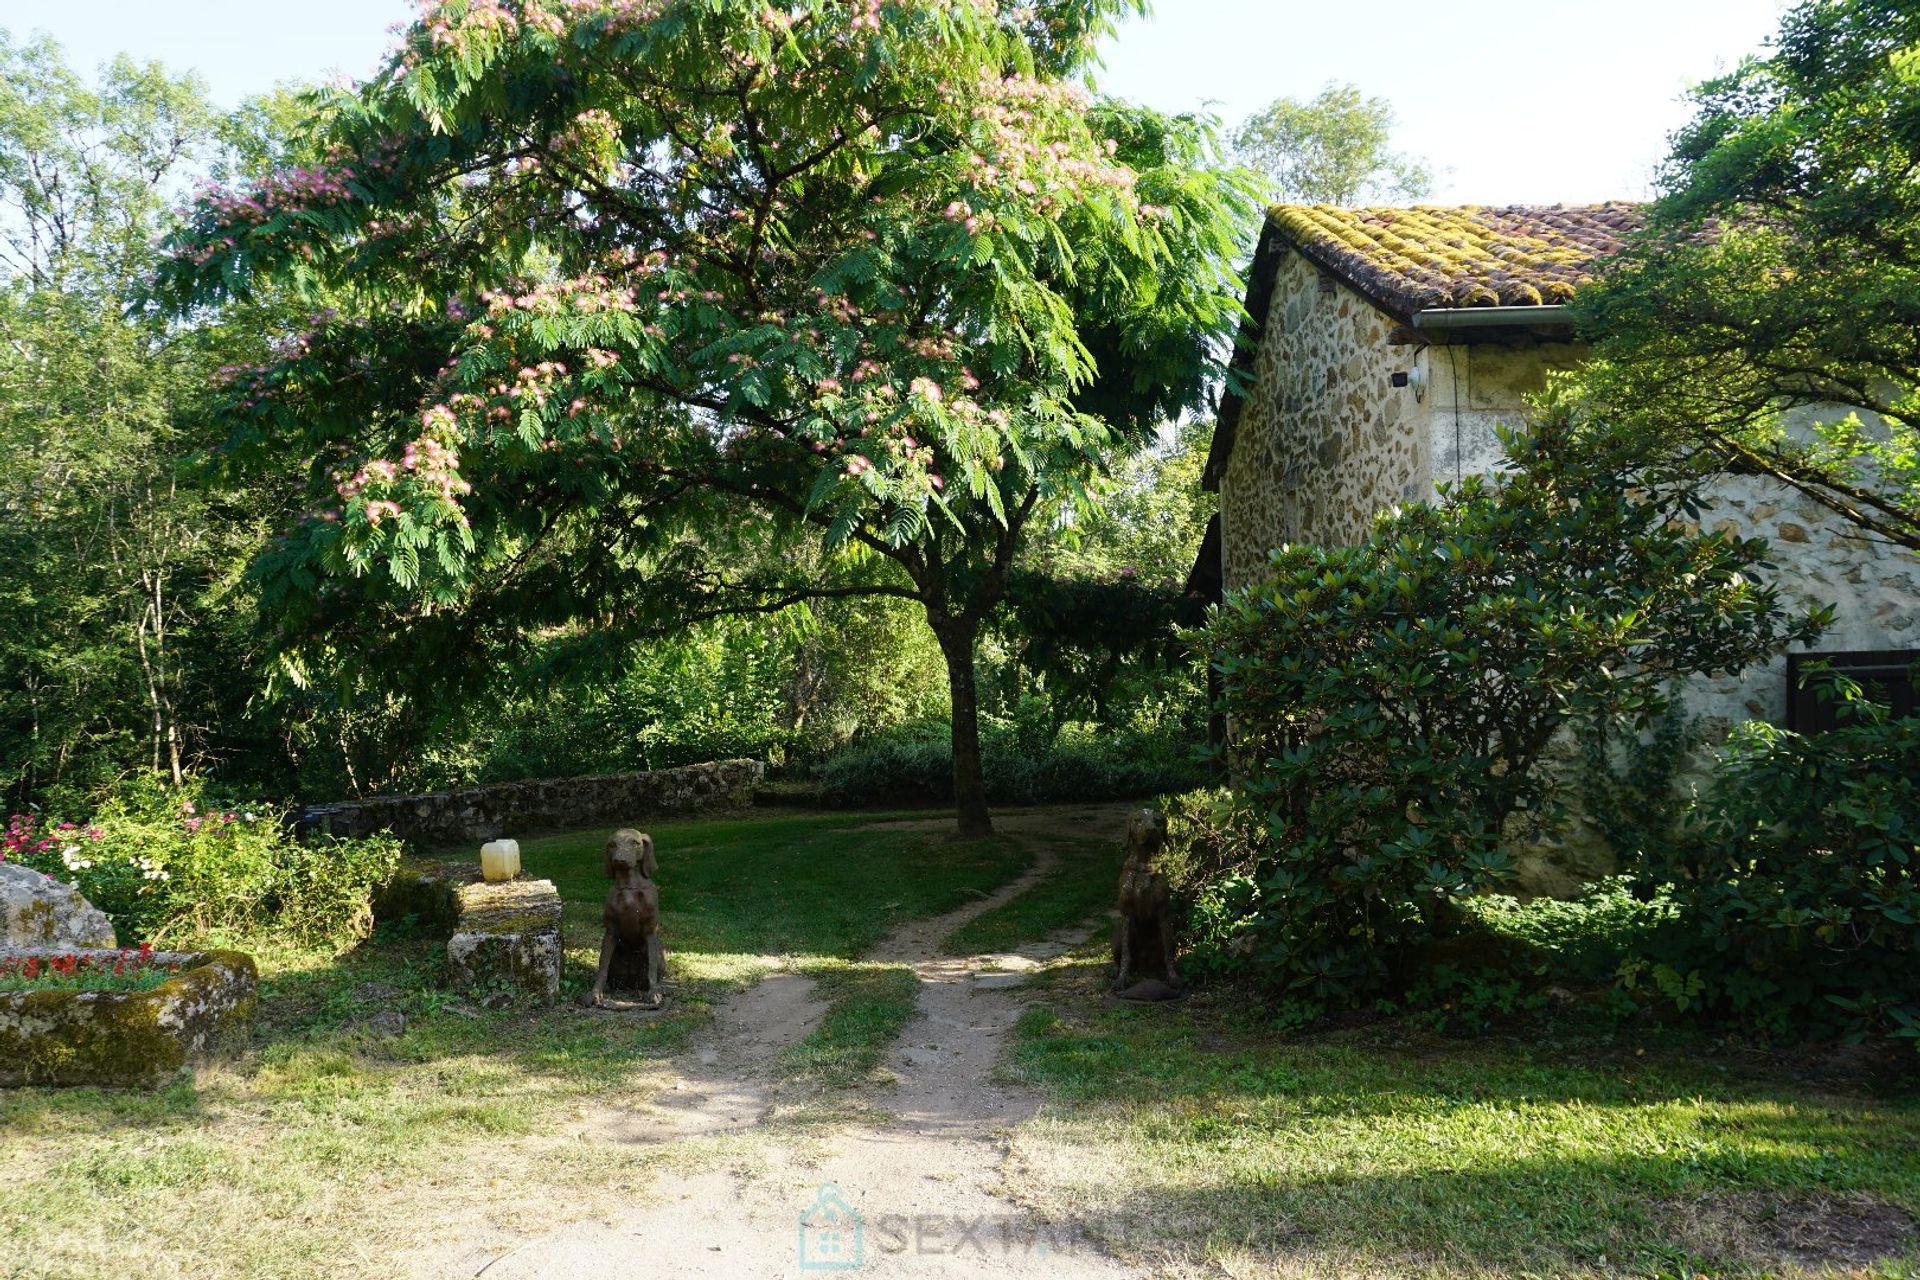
{"points": [[613, 285]]}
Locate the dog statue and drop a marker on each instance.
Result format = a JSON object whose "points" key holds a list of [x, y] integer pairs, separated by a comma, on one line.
{"points": [[1144, 968], [631, 960]]}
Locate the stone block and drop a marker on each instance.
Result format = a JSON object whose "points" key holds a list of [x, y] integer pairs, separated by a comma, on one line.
{"points": [[51, 1036], [38, 912], [507, 935]]}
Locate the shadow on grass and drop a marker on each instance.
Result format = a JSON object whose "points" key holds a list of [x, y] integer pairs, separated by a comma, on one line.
{"points": [[1083, 885], [1554, 1217], [1392, 1151]]}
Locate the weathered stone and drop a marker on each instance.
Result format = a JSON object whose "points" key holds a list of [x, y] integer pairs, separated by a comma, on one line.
{"points": [[444, 818], [38, 912], [999, 981], [51, 1036], [507, 935], [387, 1023]]}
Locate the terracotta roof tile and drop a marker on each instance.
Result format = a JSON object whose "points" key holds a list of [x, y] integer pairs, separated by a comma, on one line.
{"points": [[1409, 260]]}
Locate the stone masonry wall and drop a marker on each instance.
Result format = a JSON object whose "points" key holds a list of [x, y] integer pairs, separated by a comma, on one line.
{"points": [[1325, 439], [511, 808], [1471, 389], [1818, 557]]}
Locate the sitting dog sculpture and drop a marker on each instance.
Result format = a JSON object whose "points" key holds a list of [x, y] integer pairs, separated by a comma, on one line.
{"points": [[631, 960], [1143, 943]]}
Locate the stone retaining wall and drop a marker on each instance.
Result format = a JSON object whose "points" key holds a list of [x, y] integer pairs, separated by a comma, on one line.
{"points": [[444, 818]]}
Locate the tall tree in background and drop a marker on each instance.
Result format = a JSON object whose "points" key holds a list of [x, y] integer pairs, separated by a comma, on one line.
{"points": [[113, 562], [620, 281], [1781, 269], [1335, 149]]}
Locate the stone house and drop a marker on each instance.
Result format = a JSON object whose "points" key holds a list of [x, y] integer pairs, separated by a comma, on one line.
{"points": [[1382, 347]]}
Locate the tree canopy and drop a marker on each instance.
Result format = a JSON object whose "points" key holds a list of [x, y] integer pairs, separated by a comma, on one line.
{"points": [[115, 563], [1781, 269], [1336, 148], [606, 284]]}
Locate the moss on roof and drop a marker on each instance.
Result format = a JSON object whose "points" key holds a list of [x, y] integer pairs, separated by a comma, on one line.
{"points": [[1409, 260]]}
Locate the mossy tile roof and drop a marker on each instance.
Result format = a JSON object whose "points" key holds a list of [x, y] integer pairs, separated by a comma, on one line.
{"points": [[1409, 260]]}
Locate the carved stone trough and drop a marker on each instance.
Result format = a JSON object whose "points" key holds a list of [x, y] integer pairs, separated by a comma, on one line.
{"points": [[56, 1036]]}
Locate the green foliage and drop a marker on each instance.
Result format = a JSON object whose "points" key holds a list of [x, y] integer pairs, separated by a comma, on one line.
{"points": [[177, 866], [718, 692], [1209, 838], [1091, 640], [1630, 783], [1150, 519], [1781, 270], [1393, 702], [1090, 630], [1795, 884], [1333, 149], [104, 555], [128, 626], [1582, 939], [882, 284], [914, 765]]}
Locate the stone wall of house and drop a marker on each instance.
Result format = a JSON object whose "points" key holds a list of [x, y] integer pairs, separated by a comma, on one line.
{"points": [[1324, 439], [443, 818], [1873, 588], [1819, 558], [1470, 390]]}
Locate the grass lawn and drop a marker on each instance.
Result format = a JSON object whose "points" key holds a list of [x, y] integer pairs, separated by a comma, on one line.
{"points": [[1079, 888], [327, 1143], [1187, 1132], [1193, 1139]]}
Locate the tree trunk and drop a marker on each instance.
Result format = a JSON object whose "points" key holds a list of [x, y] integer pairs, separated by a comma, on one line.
{"points": [[957, 636]]}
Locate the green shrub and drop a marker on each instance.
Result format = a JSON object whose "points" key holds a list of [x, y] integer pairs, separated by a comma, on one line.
{"points": [[1797, 885], [914, 766], [180, 866], [1584, 939], [1394, 702], [1207, 839]]}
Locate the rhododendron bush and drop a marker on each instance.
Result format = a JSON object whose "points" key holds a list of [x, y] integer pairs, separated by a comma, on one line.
{"points": [[609, 282]]}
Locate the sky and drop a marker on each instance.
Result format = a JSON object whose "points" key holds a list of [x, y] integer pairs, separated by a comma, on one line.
{"points": [[1513, 101]]}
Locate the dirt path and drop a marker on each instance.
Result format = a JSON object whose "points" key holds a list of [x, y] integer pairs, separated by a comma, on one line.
{"points": [[917, 1191]]}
